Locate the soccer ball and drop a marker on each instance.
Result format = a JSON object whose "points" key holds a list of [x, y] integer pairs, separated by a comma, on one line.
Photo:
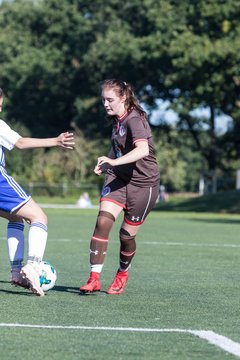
{"points": [[48, 275]]}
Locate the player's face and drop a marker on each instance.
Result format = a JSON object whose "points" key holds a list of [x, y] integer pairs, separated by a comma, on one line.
{"points": [[113, 104], [1, 103]]}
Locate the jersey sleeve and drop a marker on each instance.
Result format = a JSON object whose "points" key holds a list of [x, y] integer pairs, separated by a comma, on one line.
{"points": [[139, 129], [8, 137]]}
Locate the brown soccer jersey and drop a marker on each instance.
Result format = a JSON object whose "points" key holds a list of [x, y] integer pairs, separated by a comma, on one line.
{"points": [[126, 132]]}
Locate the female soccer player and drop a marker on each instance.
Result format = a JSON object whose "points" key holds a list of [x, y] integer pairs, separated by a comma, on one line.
{"points": [[17, 206], [131, 185]]}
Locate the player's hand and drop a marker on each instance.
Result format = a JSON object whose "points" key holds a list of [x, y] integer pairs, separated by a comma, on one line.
{"points": [[105, 160], [103, 164], [65, 140], [98, 170]]}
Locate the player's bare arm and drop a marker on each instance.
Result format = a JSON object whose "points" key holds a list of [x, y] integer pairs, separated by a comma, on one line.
{"points": [[140, 151], [65, 140]]}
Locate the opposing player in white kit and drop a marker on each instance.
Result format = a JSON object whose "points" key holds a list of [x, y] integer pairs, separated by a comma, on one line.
{"points": [[17, 206]]}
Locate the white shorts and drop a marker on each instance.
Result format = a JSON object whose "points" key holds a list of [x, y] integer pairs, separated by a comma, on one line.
{"points": [[12, 195]]}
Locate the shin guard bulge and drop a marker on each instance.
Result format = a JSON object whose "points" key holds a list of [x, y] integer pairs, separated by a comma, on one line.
{"points": [[99, 241], [127, 249]]}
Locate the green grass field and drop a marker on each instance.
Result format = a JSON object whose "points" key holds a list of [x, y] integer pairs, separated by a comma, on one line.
{"points": [[185, 276], [221, 202]]}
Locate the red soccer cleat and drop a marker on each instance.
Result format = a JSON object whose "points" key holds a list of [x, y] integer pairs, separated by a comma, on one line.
{"points": [[117, 287], [92, 285]]}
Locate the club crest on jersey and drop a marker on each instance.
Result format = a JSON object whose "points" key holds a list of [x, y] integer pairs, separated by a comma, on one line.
{"points": [[122, 130], [106, 190]]}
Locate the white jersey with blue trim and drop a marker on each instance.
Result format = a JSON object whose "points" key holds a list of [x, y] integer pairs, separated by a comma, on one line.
{"points": [[8, 139]]}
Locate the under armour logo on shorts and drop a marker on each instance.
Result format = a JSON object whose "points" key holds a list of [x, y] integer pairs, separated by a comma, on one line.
{"points": [[133, 218]]}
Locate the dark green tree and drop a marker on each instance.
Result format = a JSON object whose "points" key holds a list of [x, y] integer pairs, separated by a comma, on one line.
{"points": [[54, 53]]}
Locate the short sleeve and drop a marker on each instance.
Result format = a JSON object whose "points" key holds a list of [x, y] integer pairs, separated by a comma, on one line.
{"points": [[8, 137], [139, 129]]}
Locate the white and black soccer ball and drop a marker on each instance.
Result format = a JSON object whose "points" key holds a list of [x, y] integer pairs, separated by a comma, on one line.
{"points": [[48, 275]]}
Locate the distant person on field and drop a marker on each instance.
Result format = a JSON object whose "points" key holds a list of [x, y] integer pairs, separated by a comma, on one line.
{"points": [[84, 201], [131, 184], [163, 196], [17, 206]]}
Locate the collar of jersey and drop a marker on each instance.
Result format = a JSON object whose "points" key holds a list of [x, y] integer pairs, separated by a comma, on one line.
{"points": [[122, 117]]}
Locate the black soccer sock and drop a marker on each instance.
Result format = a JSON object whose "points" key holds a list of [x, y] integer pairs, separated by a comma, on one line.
{"points": [[99, 241], [127, 249]]}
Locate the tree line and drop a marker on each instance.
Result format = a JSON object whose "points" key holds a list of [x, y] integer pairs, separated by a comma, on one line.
{"points": [[186, 53]]}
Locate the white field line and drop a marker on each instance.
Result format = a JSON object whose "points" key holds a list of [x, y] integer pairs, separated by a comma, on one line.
{"points": [[211, 337], [190, 244], [152, 243], [220, 341], [160, 243]]}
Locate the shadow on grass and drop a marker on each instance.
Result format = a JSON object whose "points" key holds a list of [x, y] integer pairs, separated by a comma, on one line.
{"points": [[15, 289], [226, 202], [69, 289], [59, 288], [75, 290]]}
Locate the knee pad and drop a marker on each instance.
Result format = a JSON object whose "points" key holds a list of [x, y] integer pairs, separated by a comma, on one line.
{"points": [[106, 214], [104, 219], [125, 236], [104, 224], [128, 243]]}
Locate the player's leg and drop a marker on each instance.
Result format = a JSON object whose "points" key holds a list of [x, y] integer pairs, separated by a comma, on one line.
{"points": [[108, 212], [12, 196], [17, 202], [127, 251], [38, 231], [112, 203], [139, 203], [15, 242], [37, 238]]}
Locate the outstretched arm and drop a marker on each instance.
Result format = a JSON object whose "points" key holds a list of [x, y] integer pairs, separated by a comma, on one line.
{"points": [[64, 140]]}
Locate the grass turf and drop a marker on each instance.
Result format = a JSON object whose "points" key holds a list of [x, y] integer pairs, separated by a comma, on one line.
{"points": [[221, 202], [185, 276]]}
